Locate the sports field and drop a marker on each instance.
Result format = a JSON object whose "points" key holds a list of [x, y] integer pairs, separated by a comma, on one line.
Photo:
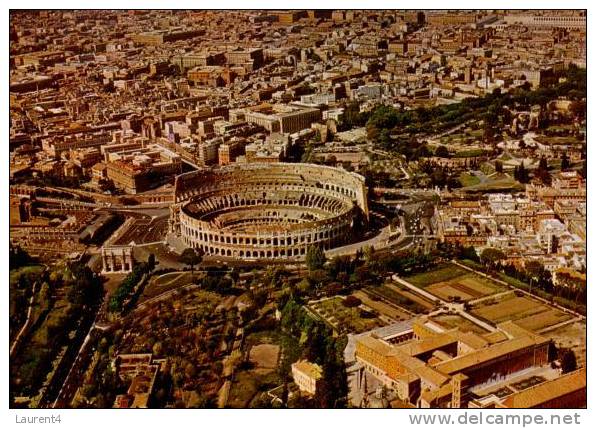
{"points": [[450, 282], [526, 312]]}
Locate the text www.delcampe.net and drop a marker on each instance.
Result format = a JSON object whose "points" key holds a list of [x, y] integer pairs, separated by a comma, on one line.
{"points": [[478, 418]]}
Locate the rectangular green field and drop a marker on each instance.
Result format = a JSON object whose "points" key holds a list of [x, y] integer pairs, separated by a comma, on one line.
{"points": [[526, 312], [450, 281], [441, 274]]}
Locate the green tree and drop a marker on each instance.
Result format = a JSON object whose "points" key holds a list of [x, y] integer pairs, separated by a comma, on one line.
{"points": [[552, 351], [568, 361], [521, 173], [578, 109], [492, 256], [442, 152], [564, 162], [315, 257], [469, 253], [191, 257], [151, 262], [17, 257], [85, 285], [543, 164]]}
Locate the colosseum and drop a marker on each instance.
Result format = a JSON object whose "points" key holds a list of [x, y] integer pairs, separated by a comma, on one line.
{"points": [[268, 211]]}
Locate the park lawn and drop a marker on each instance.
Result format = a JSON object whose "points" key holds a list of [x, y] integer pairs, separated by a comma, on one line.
{"points": [[487, 168], [168, 278], [560, 128], [443, 273], [467, 134], [414, 297], [543, 320], [554, 141], [468, 180], [56, 318], [524, 286], [19, 297], [382, 306], [247, 385], [167, 282], [470, 153], [505, 183], [244, 388]]}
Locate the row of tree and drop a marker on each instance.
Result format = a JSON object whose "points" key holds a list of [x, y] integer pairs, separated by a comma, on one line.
{"points": [[315, 342], [127, 287], [538, 278]]}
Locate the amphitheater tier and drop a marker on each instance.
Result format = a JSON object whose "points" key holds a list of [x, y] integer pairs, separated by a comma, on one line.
{"points": [[267, 211]]}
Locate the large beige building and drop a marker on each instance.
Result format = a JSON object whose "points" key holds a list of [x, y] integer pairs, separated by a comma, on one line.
{"points": [[430, 366], [137, 170]]}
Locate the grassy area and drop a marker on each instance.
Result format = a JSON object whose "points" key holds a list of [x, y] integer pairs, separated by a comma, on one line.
{"points": [[522, 285], [468, 180], [470, 153], [31, 366], [399, 300], [538, 292], [167, 282], [247, 385], [465, 287], [259, 337], [471, 264], [20, 288], [525, 311], [445, 272], [487, 168], [505, 183], [560, 128], [556, 141], [453, 282], [468, 135], [343, 318]]}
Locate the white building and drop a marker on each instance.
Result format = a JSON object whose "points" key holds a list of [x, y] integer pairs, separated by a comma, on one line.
{"points": [[306, 375]]}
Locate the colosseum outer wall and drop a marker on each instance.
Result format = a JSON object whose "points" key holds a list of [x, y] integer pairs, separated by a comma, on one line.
{"points": [[267, 211]]}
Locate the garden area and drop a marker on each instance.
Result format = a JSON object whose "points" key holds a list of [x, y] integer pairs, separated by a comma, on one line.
{"points": [[466, 179], [525, 311], [258, 372], [345, 319], [190, 329], [20, 285], [398, 295], [450, 282]]}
